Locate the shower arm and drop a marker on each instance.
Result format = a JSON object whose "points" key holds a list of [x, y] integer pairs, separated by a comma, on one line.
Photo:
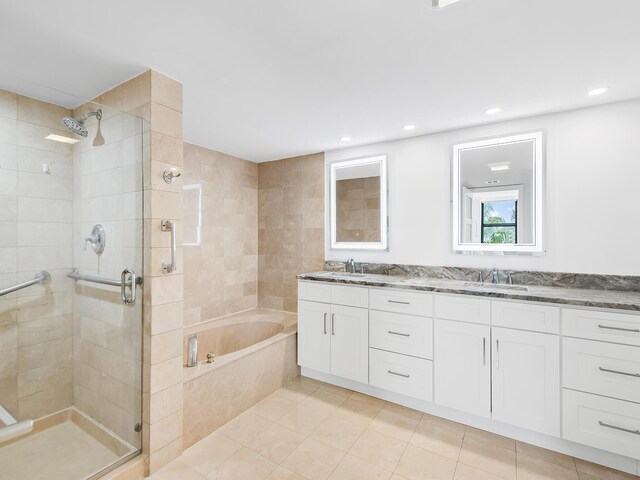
{"points": [[86, 116]]}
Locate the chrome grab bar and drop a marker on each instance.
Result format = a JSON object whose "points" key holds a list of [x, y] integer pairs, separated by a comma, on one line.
{"points": [[12, 428], [123, 283], [170, 226], [41, 277]]}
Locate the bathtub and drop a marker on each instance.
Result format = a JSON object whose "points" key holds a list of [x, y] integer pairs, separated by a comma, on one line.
{"points": [[255, 354]]}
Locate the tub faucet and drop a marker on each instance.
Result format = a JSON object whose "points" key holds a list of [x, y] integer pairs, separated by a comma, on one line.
{"points": [[192, 351], [351, 264]]}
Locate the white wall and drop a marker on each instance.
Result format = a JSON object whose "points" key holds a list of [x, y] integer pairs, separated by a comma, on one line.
{"points": [[592, 199]]}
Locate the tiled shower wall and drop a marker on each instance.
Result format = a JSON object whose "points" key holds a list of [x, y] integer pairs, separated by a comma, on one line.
{"points": [[107, 343], [35, 234], [220, 234], [290, 227]]}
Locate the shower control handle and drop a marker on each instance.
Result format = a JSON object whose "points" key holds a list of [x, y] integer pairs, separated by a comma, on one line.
{"points": [[170, 226]]}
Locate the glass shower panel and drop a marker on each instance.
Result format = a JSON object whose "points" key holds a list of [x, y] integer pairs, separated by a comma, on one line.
{"points": [[70, 347]]}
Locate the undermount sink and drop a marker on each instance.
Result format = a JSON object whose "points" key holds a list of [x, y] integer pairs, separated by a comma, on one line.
{"points": [[496, 286]]}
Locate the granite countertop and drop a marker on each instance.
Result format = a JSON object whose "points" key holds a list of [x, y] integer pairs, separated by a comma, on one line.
{"points": [[535, 293]]}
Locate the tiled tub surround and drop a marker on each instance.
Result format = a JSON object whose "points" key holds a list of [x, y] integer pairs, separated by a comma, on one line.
{"points": [[290, 227], [552, 372], [243, 373], [226, 255]]}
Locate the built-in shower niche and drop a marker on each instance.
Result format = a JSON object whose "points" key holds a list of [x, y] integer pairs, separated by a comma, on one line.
{"points": [[70, 351]]}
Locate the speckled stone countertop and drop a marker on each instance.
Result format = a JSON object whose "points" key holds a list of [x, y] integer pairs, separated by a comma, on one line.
{"points": [[534, 293]]}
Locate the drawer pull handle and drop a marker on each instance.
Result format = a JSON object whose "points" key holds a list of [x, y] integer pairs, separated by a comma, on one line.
{"points": [[398, 333], [602, 369], [622, 429], [398, 374], [398, 301], [325, 323], [333, 324], [634, 330]]}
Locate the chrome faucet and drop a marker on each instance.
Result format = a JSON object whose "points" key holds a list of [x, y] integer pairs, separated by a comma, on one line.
{"points": [[494, 275], [351, 264], [192, 350]]}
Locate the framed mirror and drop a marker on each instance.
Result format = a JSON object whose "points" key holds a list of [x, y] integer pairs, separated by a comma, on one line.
{"points": [[498, 194], [359, 204]]}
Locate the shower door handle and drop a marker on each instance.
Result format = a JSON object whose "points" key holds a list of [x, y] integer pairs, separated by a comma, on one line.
{"points": [[132, 282], [170, 226]]}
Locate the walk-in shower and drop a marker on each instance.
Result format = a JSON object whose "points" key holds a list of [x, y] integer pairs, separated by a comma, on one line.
{"points": [[70, 316]]}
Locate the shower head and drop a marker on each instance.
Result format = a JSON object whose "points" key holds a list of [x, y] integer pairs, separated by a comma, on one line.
{"points": [[77, 126]]}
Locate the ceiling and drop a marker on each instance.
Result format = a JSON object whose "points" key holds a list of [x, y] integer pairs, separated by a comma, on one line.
{"points": [[272, 79]]}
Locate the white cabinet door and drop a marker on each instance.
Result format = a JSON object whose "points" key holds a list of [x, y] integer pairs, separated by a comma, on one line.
{"points": [[314, 340], [349, 332], [462, 366], [526, 380]]}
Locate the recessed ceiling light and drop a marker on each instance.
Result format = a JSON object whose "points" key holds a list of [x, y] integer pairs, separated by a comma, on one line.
{"points": [[496, 167], [345, 139], [60, 138], [409, 127], [442, 3], [493, 110], [598, 91]]}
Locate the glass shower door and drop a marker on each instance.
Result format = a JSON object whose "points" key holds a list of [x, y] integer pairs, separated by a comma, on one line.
{"points": [[71, 345]]}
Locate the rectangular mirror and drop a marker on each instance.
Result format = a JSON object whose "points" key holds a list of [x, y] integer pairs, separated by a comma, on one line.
{"points": [[359, 204], [498, 194]]}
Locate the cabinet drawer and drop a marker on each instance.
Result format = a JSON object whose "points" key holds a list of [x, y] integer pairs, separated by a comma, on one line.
{"points": [[350, 296], [603, 368], [314, 292], [525, 316], [408, 376], [399, 301], [600, 422], [406, 334], [600, 325], [464, 309]]}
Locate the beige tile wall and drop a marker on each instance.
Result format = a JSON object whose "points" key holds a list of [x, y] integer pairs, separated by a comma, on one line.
{"points": [[358, 210], [290, 227], [108, 190], [221, 272], [35, 234]]}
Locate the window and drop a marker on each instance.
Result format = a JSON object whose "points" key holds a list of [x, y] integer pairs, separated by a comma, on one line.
{"points": [[500, 222]]}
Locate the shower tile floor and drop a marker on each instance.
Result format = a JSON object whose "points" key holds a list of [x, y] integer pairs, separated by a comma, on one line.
{"points": [[60, 451], [310, 430]]}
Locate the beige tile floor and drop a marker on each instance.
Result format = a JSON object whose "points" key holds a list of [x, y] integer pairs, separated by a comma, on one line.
{"points": [[309, 430]]}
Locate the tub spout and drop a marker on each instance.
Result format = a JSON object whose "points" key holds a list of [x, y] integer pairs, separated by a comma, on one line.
{"points": [[192, 351]]}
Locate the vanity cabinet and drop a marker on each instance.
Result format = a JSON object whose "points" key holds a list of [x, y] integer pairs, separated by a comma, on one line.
{"points": [[464, 356], [334, 338], [462, 366], [526, 380]]}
